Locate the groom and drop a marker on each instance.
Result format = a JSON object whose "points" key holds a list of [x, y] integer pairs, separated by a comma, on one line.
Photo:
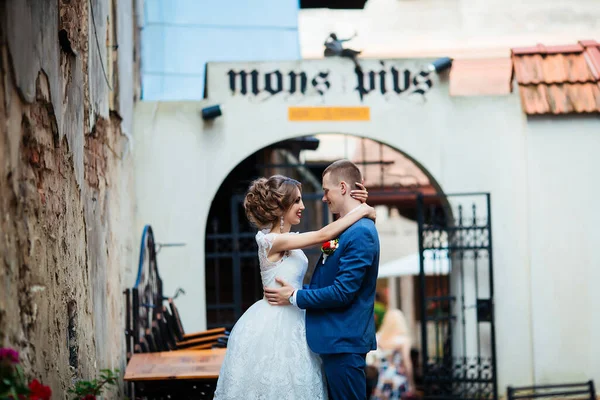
{"points": [[339, 301]]}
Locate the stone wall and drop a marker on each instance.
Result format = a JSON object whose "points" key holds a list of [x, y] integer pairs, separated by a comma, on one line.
{"points": [[66, 200]]}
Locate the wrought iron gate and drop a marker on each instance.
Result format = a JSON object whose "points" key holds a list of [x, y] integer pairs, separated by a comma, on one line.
{"points": [[457, 304], [233, 280]]}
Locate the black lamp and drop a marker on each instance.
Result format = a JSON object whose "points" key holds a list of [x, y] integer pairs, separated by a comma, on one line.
{"points": [[212, 112], [439, 65]]}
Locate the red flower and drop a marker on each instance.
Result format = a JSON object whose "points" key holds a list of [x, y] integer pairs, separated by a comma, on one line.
{"points": [[89, 397], [329, 246], [9, 354], [39, 391]]}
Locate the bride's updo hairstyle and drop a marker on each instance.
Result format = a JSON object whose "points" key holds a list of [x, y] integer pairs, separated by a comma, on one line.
{"points": [[268, 199]]}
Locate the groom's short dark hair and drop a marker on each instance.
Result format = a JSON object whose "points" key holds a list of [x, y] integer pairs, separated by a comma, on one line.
{"points": [[344, 170]]}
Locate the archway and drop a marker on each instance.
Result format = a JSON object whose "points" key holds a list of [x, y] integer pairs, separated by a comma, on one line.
{"points": [[394, 181]]}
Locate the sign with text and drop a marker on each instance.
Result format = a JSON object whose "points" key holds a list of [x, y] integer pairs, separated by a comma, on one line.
{"points": [[321, 82]]}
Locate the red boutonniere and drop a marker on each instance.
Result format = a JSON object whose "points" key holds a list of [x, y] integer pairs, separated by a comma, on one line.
{"points": [[328, 248]]}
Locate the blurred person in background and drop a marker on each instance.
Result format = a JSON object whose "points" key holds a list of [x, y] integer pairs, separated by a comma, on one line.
{"points": [[392, 358]]}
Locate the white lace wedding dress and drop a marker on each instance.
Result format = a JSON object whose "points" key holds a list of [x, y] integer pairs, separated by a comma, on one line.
{"points": [[267, 356]]}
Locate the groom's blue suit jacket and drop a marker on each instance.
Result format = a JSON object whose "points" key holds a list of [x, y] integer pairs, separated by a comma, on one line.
{"points": [[339, 301]]}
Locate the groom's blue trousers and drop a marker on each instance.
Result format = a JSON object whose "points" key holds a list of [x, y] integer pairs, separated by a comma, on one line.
{"points": [[345, 373]]}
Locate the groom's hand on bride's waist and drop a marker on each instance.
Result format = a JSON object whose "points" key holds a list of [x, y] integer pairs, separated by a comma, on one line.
{"points": [[279, 296]]}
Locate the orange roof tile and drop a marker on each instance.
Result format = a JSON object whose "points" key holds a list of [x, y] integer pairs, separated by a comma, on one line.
{"points": [[541, 49], [592, 55], [561, 98], [559, 79]]}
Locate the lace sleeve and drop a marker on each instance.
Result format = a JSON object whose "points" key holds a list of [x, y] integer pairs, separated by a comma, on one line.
{"points": [[264, 239]]}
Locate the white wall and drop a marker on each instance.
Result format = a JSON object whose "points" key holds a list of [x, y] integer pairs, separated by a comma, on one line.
{"points": [[562, 168], [458, 28], [467, 144]]}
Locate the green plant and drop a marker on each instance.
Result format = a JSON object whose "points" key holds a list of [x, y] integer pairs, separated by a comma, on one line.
{"points": [[380, 310], [88, 390]]}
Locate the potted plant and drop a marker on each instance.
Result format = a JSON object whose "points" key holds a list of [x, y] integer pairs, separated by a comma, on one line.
{"points": [[90, 390]]}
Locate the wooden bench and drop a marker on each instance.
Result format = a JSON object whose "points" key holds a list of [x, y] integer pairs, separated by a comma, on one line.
{"points": [[195, 373], [582, 391], [199, 340]]}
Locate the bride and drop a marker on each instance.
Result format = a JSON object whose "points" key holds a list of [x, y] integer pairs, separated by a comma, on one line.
{"points": [[267, 355]]}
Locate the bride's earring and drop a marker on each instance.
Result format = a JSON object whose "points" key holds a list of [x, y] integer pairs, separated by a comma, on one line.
{"points": [[281, 226]]}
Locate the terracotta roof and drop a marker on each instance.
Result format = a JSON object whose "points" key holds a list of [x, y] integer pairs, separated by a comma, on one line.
{"points": [[559, 79], [481, 77]]}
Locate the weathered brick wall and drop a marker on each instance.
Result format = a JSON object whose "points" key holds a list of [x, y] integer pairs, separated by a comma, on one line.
{"points": [[66, 192]]}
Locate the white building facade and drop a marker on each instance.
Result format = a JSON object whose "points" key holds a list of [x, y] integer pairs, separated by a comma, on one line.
{"points": [[539, 173]]}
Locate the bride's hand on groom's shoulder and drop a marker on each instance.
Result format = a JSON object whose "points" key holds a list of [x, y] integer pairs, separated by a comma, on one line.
{"points": [[361, 194], [371, 213]]}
